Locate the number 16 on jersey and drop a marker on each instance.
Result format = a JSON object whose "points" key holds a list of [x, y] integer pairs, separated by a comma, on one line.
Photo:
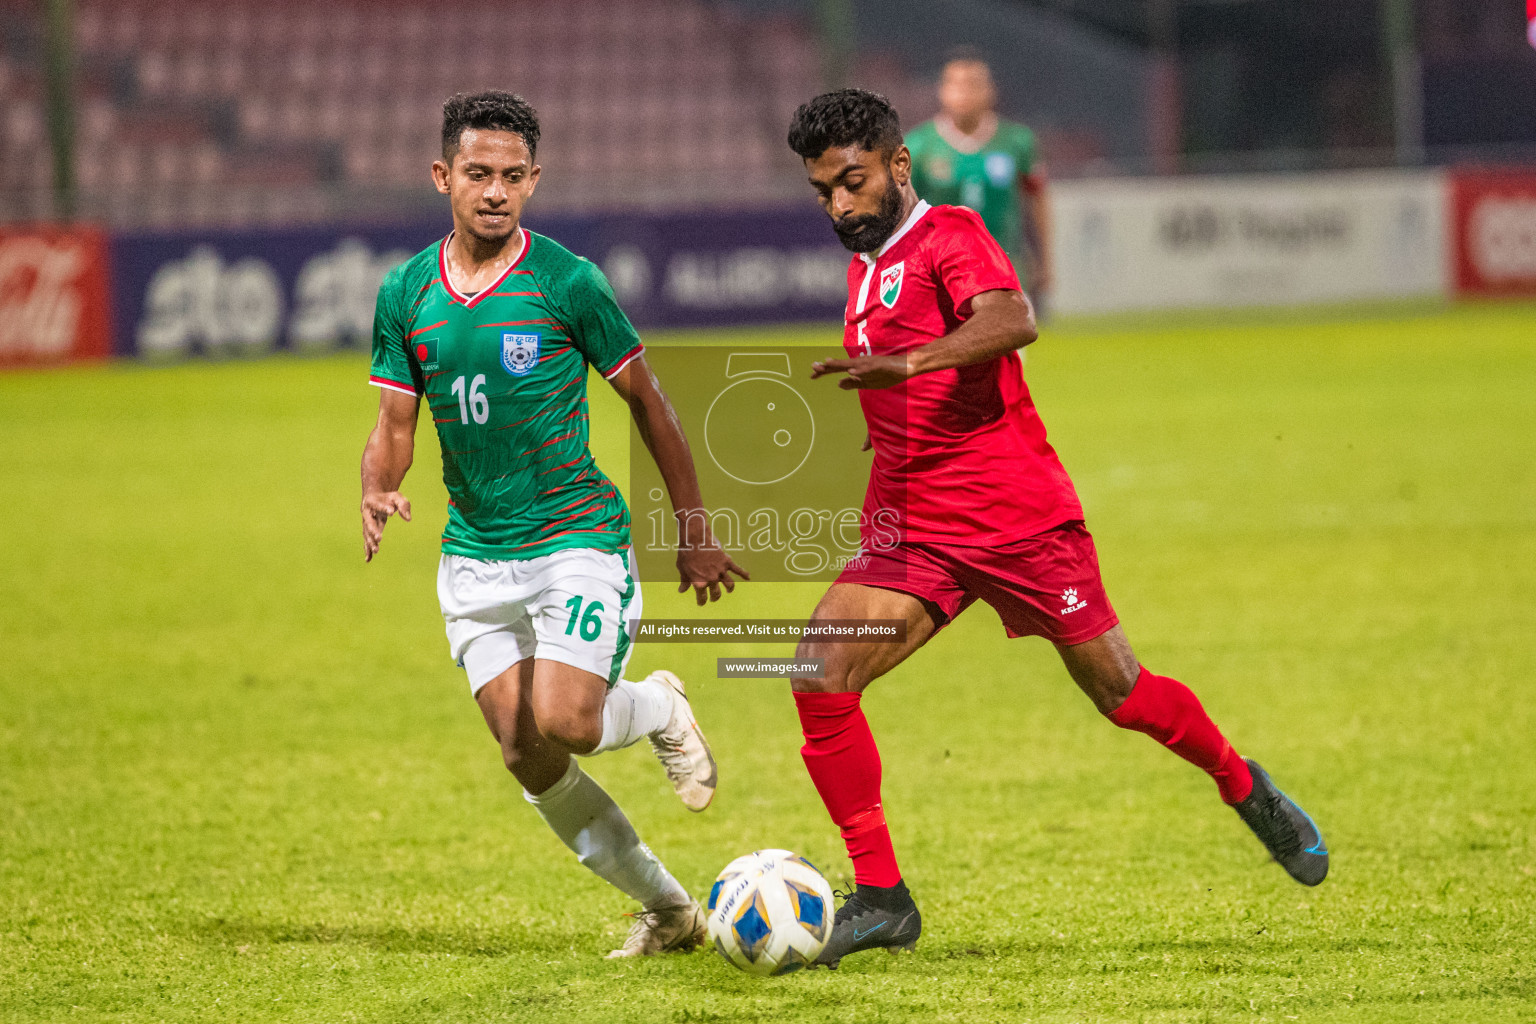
{"points": [[475, 403]]}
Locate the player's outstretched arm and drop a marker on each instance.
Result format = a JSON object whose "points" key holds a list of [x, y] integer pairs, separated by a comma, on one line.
{"points": [[386, 458], [1001, 321], [701, 563]]}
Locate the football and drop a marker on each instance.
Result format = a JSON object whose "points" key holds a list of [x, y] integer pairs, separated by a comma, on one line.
{"points": [[770, 912]]}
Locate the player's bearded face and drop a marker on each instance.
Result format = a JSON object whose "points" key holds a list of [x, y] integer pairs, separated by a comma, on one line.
{"points": [[868, 231]]}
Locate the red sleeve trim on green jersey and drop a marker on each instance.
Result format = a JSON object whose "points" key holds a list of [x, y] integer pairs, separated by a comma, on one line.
{"points": [[483, 293], [392, 385], [628, 358]]}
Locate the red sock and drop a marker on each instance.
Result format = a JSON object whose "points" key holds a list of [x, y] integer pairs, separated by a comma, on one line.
{"points": [[1170, 713], [844, 763]]}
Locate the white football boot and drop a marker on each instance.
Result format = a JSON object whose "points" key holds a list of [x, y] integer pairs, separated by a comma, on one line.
{"points": [[681, 748], [666, 930]]}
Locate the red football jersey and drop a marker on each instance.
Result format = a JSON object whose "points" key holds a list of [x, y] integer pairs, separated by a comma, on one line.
{"points": [[960, 455]]}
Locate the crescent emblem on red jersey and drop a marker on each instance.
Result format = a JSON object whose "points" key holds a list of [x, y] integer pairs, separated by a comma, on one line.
{"points": [[890, 284]]}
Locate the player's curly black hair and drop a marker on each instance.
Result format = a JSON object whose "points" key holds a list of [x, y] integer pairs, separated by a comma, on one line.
{"points": [[488, 111], [847, 117]]}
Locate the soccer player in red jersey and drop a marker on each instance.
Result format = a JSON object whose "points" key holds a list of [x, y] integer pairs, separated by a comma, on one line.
{"points": [[983, 509]]}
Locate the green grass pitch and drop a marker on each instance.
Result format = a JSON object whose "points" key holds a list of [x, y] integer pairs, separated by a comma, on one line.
{"points": [[241, 781]]}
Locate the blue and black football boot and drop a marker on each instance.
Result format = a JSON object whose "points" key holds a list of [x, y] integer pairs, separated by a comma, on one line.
{"points": [[1284, 828], [873, 918]]}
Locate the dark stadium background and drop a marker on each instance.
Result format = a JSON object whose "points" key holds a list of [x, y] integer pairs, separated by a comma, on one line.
{"points": [[227, 146]]}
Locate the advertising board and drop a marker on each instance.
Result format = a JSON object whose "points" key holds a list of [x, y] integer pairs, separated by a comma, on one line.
{"points": [[248, 292], [1494, 241], [53, 295], [1135, 244]]}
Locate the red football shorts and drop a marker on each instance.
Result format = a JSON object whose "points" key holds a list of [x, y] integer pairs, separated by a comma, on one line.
{"points": [[1046, 585]]}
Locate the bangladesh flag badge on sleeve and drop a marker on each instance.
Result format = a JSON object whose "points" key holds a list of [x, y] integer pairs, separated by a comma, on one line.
{"points": [[426, 353]]}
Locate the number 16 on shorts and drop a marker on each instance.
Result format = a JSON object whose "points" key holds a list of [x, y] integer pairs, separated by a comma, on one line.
{"points": [[587, 622], [572, 605]]}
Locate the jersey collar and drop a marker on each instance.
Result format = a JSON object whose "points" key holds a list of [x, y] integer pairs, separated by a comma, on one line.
{"points": [[916, 215], [470, 301]]}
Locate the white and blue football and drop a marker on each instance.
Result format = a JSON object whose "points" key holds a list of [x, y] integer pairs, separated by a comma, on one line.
{"points": [[770, 912]]}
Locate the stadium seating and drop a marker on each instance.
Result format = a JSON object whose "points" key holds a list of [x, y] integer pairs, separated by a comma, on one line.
{"points": [[199, 111]]}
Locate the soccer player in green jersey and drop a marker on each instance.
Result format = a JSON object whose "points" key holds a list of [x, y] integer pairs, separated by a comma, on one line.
{"points": [[496, 326], [968, 156]]}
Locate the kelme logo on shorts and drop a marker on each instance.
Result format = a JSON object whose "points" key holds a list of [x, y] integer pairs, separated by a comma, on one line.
{"points": [[426, 354], [519, 353], [890, 284]]}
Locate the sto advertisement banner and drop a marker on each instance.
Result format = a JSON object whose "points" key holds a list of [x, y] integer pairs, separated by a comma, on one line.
{"points": [[247, 292]]}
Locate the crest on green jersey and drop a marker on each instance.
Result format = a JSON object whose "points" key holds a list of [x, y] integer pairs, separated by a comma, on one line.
{"points": [[519, 353], [1001, 168], [426, 354], [890, 284]]}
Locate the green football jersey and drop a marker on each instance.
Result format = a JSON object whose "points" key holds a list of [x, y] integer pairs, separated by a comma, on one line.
{"points": [[986, 181], [504, 372]]}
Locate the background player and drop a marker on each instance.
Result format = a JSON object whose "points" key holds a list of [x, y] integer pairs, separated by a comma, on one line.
{"points": [[969, 156], [496, 327], [984, 509]]}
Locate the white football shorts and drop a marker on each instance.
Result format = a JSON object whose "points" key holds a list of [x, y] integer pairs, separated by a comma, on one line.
{"points": [[576, 606]]}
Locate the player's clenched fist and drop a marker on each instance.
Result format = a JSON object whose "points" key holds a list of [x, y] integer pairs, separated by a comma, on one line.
{"points": [[377, 508]]}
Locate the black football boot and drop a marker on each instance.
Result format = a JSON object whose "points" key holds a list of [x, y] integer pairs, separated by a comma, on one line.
{"points": [[1284, 828], [873, 918]]}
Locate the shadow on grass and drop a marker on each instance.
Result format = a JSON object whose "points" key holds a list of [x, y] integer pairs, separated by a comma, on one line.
{"points": [[236, 933]]}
